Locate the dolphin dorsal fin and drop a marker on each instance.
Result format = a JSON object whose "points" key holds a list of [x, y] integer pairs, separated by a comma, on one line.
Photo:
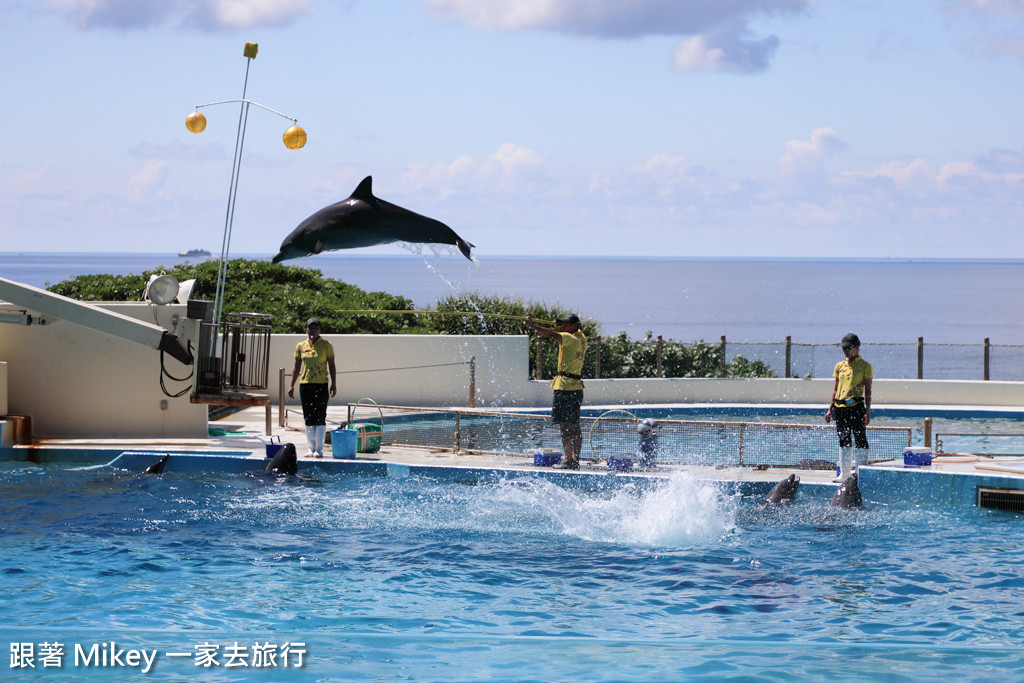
{"points": [[365, 191]]}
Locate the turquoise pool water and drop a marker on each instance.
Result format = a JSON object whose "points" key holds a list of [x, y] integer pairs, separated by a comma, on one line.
{"points": [[414, 579]]}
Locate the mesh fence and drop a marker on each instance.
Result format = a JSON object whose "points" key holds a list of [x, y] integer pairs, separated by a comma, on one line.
{"points": [[890, 361], [616, 435]]}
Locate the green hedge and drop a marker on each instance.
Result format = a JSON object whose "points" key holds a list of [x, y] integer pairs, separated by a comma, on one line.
{"points": [[293, 294]]}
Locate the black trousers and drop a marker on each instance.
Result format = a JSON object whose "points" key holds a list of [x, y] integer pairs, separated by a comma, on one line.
{"points": [[314, 399], [850, 425]]}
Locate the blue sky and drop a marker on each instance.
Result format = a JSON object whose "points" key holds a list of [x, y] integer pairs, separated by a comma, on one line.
{"points": [[784, 128]]}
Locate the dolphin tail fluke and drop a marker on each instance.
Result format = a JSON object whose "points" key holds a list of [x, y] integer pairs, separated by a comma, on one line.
{"points": [[465, 247]]}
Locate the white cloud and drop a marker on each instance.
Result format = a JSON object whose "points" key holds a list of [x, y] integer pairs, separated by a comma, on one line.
{"points": [[149, 179], [808, 156], [511, 169], [1000, 24], [208, 15], [715, 34], [30, 179]]}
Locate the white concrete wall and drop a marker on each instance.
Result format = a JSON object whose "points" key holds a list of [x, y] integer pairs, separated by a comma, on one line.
{"points": [[75, 381], [406, 369]]}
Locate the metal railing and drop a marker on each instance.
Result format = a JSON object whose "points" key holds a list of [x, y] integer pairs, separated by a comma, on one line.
{"points": [[680, 442], [980, 443], [283, 375], [920, 360], [234, 356]]}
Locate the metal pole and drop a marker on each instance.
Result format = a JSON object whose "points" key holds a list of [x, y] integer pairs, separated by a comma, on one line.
{"points": [[789, 356], [536, 369], [722, 372], [742, 440], [657, 355], [472, 381], [229, 217], [280, 398], [458, 420], [597, 357], [988, 351], [920, 357], [928, 432]]}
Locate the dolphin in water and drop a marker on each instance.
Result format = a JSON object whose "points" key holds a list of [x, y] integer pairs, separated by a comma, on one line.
{"points": [[158, 466], [363, 220], [848, 494], [285, 462], [784, 491]]}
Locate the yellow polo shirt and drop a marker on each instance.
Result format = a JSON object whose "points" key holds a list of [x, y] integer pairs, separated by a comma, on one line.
{"points": [[571, 350], [851, 376], [314, 360]]}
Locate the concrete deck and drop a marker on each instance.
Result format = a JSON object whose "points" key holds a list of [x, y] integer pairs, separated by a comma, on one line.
{"points": [[949, 481]]}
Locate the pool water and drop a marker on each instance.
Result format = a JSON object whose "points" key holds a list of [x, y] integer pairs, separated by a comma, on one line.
{"points": [[414, 579]]}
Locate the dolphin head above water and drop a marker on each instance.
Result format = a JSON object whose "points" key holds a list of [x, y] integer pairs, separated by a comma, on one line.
{"points": [[784, 491], [363, 220], [285, 462], [848, 494]]}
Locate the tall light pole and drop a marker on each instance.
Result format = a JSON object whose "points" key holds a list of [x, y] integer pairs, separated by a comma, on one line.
{"points": [[294, 138]]}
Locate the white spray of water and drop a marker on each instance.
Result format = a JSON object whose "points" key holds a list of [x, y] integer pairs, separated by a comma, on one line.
{"points": [[679, 511]]}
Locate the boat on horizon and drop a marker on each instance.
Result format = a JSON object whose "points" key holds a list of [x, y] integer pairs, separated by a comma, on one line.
{"points": [[194, 253]]}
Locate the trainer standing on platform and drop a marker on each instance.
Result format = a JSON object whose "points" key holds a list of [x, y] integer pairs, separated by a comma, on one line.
{"points": [[568, 385], [314, 363], [851, 406]]}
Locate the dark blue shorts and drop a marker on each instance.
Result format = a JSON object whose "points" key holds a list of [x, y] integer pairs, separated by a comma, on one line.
{"points": [[565, 406]]}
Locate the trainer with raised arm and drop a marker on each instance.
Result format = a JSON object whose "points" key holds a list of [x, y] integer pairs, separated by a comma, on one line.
{"points": [[850, 405], [567, 384]]}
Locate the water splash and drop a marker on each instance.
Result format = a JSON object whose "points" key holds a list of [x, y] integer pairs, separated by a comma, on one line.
{"points": [[680, 511]]}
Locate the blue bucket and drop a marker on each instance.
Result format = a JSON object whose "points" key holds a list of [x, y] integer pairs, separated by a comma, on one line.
{"points": [[546, 458], [620, 464], [273, 448], [343, 443], [917, 456]]}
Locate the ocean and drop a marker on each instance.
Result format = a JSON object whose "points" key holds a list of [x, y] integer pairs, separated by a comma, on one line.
{"points": [[813, 301]]}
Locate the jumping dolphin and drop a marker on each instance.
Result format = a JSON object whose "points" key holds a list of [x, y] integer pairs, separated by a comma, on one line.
{"points": [[848, 494], [363, 220], [784, 491], [285, 462]]}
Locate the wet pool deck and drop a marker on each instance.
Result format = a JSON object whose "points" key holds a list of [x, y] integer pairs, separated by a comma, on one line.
{"points": [[243, 449]]}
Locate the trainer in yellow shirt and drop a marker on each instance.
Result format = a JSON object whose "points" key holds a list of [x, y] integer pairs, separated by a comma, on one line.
{"points": [[568, 384], [850, 404], [314, 365]]}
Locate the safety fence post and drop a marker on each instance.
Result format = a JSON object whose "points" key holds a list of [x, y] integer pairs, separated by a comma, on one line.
{"points": [[657, 357], [988, 351], [920, 357], [789, 356], [280, 398]]}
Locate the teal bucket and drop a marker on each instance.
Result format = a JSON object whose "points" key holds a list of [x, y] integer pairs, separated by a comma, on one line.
{"points": [[343, 443]]}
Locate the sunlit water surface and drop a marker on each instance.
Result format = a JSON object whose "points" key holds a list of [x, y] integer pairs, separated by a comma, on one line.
{"points": [[412, 579]]}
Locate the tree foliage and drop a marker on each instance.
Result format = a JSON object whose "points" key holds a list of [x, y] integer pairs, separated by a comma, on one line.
{"points": [[289, 294], [293, 294]]}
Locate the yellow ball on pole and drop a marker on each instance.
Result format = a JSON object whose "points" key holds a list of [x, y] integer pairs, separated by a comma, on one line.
{"points": [[195, 122], [294, 137]]}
